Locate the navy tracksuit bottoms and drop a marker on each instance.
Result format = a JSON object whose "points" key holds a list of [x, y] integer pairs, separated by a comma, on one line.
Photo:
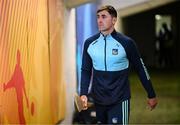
{"points": [[113, 114]]}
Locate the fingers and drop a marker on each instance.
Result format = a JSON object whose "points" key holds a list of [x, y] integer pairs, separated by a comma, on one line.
{"points": [[152, 103], [151, 107], [84, 102]]}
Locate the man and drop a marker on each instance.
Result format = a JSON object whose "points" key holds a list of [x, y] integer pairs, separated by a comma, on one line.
{"points": [[107, 55], [166, 46]]}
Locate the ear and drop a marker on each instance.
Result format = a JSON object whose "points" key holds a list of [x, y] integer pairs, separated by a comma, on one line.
{"points": [[114, 20]]}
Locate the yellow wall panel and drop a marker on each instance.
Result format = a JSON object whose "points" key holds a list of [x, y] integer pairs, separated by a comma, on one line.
{"points": [[31, 68]]}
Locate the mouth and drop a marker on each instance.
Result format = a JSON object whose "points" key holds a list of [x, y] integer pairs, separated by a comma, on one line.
{"points": [[100, 25]]}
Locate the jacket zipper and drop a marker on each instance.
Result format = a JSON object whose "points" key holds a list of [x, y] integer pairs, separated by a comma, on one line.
{"points": [[105, 54]]}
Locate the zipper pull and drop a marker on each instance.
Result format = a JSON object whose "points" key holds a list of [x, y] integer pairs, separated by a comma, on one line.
{"points": [[105, 37]]}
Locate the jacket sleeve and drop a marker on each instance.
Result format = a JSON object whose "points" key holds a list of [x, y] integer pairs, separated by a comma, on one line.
{"points": [[86, 70], [137, 62]]}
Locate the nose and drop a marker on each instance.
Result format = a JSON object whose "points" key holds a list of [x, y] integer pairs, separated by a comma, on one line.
{"points": [[99, 20]]}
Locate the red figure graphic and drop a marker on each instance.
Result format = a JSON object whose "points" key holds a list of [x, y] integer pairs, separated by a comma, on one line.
{"points": [[32, 108], [17, 82]]}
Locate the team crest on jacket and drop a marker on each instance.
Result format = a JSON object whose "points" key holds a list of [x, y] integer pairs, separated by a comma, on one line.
{"points": [[114, 51]]}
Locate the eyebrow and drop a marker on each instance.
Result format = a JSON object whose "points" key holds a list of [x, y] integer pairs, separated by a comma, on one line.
{"points": [[101, 15]]}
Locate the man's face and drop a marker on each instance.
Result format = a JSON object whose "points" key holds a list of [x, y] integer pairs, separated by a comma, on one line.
{"points": [[105, 21]]}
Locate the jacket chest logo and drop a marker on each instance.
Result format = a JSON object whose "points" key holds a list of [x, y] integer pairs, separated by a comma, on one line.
{"points": [[114, 51]]}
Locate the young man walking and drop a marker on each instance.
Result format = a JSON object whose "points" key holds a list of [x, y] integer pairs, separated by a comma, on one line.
{"points": [[108, 55]]}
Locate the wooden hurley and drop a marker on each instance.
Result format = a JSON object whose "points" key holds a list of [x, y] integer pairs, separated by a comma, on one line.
{"points": [[79, 103]]}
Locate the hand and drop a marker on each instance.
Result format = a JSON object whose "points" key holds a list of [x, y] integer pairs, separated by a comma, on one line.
{"points": [[152, 102], [84, 100]]}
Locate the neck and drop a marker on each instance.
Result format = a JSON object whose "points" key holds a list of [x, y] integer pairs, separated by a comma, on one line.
{"points": [[107, 32]]}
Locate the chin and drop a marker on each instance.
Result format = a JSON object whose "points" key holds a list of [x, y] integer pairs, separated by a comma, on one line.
{"points": [[102, 30]]}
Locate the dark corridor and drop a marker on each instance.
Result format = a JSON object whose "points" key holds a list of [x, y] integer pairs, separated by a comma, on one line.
{"points": [[142, 28]]}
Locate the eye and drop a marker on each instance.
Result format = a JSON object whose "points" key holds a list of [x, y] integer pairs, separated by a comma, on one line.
{"points": [[103, 16], [98, 16]]}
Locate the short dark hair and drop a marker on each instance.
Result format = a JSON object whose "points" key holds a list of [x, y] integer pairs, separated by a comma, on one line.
{"points": [[110, 9]]}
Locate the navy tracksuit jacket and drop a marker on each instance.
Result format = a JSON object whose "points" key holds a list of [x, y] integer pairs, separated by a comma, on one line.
{"points": [[108, 57]]}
